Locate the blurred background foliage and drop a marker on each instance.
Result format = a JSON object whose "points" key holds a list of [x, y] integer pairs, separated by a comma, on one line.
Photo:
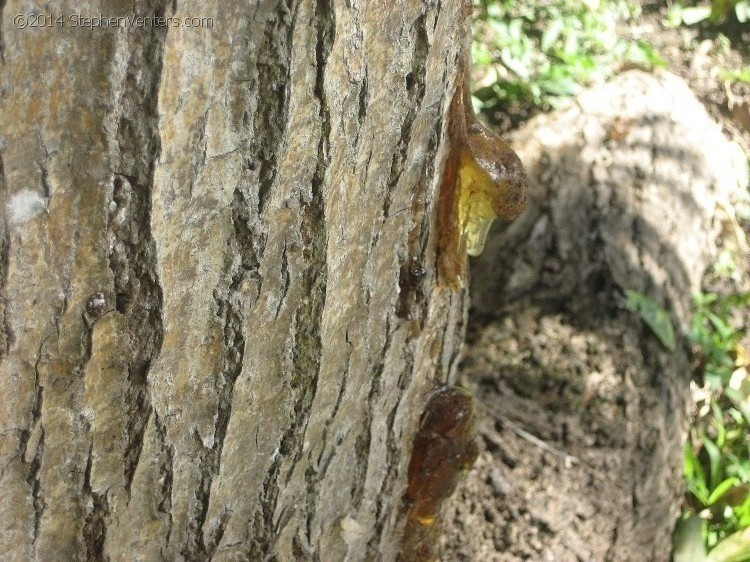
{"points": [[540, 53], [717, 452], [534, 56]]}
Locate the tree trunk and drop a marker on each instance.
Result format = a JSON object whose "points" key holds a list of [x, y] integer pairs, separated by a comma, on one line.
{"points": [[625, 185], [205, 352]]}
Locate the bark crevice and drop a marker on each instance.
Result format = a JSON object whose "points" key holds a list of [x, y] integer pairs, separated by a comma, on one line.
{"points": [[96, 510], [165, 472], [314, 234], [272, 114], [414, 85], [303, 365], [6, 330], [363, 97], [34, 481], [28, 436], [2, 38], [44, 169], [229, 310], [132, 255], [36, 432]]}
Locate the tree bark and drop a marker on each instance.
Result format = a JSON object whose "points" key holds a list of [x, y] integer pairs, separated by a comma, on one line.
{"points": [[625, 185], [205, 354]]}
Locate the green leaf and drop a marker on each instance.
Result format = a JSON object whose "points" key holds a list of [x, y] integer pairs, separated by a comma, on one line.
{"points": [[643, 53], [734, 548], [720, 8], [704, 299], [714, 461], [742, 11], [743, 74], [654, 316], [674, 16], [695, 476], [696, 14], [688, 540], [743, 513], [551, 34], [722, 489], [725, 330]]}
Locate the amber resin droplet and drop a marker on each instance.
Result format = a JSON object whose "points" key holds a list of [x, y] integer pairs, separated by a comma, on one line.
{"points": [[483, 180], [444, 449]]}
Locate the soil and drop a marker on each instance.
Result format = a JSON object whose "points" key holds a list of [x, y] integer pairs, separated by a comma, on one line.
{"points": [[548, 484]]}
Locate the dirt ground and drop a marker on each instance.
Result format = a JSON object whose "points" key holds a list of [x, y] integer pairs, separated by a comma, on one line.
{"points": [[545, 493], [545, 470]]}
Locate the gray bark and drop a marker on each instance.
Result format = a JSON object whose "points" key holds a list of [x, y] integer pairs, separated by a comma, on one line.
{"points": [[626, 185], [202, 237]]}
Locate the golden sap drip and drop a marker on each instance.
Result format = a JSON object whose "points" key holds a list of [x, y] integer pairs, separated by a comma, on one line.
{"points": [[475, 212], [483, 180]]}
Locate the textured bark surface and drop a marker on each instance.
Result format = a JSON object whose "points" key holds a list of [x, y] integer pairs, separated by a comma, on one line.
{"points": [[624, 190], [203, 232]]}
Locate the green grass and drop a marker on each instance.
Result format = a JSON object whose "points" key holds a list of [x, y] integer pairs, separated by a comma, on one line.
{"points": [[710, 11], [741, 75], [717, 454], [542, 53]]}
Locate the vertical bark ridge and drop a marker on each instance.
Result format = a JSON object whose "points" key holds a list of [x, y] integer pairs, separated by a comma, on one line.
{"points": [[266, 124], [228, 132], [135, 146], [414, 85], [243, 279], [32, 448], [272, 84], [123, 318], [6, 331], [234, 349], [2, 39], [270, 125], [374, 399], [314, 234], [411, 294], [303, 281], [194, 372], [54, 163], [378, 338], [267, 73]]}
